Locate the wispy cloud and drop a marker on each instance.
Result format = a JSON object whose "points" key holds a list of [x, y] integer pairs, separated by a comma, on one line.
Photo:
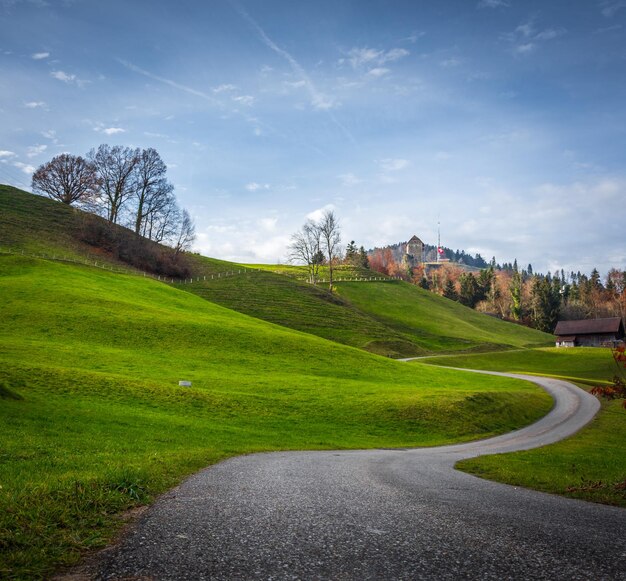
{"points": [[26, 168], [393, 164], [255, 187], [6, 153], [360, 57], [170, 82], [34, 104], [611, 7], [63, 76], [224, 88], [68, 78], [493, 4], [35, 150], [318, 99], [378, 72], [349, 180], [247, 100], [113, 130], [526, 38], [40, 56]]}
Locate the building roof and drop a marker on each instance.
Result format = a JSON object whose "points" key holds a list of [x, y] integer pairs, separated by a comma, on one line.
{"points": [[415, 239], [589, 327]]}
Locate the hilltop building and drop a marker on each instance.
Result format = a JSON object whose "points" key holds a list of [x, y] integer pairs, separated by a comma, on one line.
{"points": [[414, 252]]}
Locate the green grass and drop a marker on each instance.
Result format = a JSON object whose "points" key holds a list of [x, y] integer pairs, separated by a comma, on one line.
{"points": [[590, 465], [435, 323], [94, 421], [393, 318]]}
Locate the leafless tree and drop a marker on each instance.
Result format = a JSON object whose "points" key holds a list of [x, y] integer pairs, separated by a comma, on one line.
{"points": [[67, 178], [305, 247], [330, 239], [152, 190], [116, 168], [186, 233], [161, 224]]}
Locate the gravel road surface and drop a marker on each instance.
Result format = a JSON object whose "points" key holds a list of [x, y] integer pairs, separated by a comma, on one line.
{"points": [[376, 514]]}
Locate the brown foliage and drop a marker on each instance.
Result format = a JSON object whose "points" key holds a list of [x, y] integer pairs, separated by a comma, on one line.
{"points": [[132, 249], [617, 389]]}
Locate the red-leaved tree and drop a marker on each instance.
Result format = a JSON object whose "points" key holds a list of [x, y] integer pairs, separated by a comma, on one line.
{"points": [[617, 389]]}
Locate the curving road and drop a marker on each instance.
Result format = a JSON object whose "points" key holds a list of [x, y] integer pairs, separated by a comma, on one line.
{"points": [[377, 514]]}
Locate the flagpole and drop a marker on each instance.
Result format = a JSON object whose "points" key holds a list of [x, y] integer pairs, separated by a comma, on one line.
{"points": [[438, 238]]}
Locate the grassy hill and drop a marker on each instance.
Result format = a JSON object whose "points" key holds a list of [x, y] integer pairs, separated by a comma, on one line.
{"points": [[94, 420], [391, 318]]}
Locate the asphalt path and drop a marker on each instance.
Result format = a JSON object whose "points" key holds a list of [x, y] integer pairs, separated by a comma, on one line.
{"points": [[377, 514]]}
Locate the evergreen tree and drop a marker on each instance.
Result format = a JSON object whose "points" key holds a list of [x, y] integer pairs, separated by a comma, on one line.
{"points": [[449, 291], [545, 303], [469, 291], [515, 289], [363, 259]]}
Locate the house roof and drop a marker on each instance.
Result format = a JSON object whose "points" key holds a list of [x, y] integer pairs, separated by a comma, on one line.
{"points": [[415, 239], [589, 327]]}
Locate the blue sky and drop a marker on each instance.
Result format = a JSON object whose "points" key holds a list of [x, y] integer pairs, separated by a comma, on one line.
{"points": [[503, 119]]}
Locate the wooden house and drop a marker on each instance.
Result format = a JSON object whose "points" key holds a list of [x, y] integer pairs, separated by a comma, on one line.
{"points": [[589, 332]]}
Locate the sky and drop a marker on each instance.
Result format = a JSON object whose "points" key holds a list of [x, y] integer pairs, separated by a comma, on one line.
{"points": [[502, 120]]}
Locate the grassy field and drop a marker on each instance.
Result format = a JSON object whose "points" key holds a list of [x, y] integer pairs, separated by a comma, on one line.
{"points": [[434, 322], [591, 465], [392, 318], [94, 421]]}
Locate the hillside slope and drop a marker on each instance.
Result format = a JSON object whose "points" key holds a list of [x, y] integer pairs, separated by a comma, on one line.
{"points": [[388, 318], [94, 421]]}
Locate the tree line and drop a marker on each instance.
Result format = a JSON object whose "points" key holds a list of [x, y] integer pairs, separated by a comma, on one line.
{"points": [[125, 186]]}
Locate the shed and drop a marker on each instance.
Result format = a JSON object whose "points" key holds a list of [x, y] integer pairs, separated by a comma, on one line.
{"points": [[589, 332]]}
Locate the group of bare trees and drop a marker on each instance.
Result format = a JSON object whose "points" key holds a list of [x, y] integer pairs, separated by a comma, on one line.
{"points": [[124, 185], [317, 243]]}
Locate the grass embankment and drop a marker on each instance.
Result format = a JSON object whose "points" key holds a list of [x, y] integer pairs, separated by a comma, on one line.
{"points": [[434, 322], [590, 465], [391, 318], [94, 422]]}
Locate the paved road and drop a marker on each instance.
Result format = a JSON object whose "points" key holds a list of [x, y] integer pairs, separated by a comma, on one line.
{"points": [[379, 514]]}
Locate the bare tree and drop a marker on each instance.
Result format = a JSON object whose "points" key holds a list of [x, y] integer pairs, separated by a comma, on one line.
{"points": [[151, 188], [305, 247], [67, 178], [116, 166], [330, 239], [186, 233]]}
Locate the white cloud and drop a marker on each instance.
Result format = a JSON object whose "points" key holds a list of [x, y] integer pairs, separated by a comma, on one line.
{"points": [[349, 179], [254, 187], [112, 130], [359, 57], [246, 100], [27, 169], [63, 76], [40, 55], [493, 3], [6, 153], [317, 215], [34, 104], [611, 7], [318, 99], [35, 150], [224, 88], [525, 38], [268, 224], [50, 134], [390, 164], [378, 72]]}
